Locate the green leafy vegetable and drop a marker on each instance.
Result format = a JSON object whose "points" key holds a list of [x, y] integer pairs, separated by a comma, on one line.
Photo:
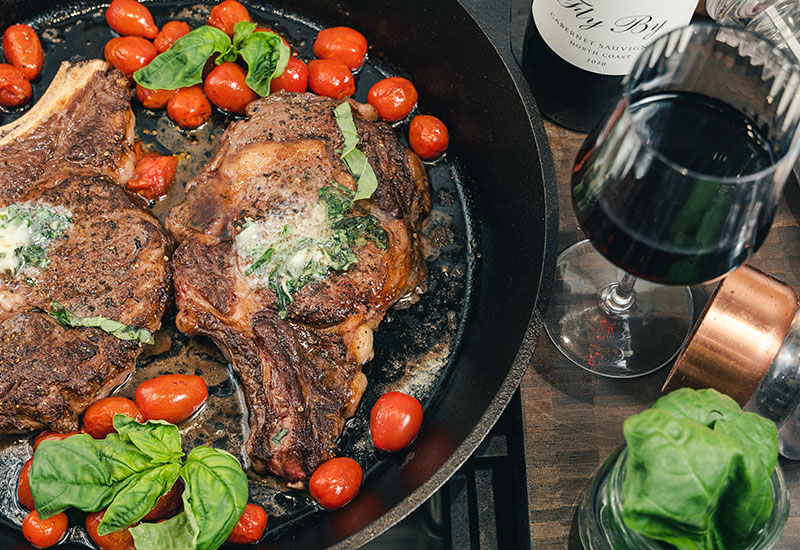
{"points": [[278, 437], [25, 233], [182, 64], [260, 261], [119, 330], [698, 471], [177, 533], [159, 440], [355, 159], [266, 56]]}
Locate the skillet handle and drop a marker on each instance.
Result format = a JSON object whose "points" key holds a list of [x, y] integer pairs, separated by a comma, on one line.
{"points": [[494, 19]]}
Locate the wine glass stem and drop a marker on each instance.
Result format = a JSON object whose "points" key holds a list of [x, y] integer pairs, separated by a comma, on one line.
{"points": [[618, 299]]}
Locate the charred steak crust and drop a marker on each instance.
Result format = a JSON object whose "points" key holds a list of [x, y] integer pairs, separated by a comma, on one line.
{"points": [[301, 375]]}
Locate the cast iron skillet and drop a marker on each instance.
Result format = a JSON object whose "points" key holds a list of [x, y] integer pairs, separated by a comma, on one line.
{"points": [[499, 148]]}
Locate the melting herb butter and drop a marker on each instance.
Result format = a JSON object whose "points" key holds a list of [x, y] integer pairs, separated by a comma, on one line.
{"points": [[288, 259], [25, 232]]}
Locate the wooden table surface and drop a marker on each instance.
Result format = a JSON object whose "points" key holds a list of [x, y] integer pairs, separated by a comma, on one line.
{"points": [[573, 419]]}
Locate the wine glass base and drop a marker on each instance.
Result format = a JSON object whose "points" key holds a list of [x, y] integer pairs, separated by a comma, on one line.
{"points": [[623, 346]]}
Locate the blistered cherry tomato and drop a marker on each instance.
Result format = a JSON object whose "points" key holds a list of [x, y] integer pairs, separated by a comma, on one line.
{"points": [[428, 136], [226, 88], [153, 175], [341, 44], [250, 527], [23, 486], [118, 540], [393, 97], [189, 107], [293, 79], [226, 14], [130, 18], [395, 421], [44, 533], [15, 90], [23, 49], [169, 34], [336, 482], [171, 397], [128, 54], [98, 420], [330, 78], [48, 435], [167, 504], [153, 99]]}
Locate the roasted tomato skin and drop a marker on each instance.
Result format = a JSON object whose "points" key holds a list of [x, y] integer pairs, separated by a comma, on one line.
{"points": [[189, 107], [393, 97], [47, 435], [226, 88], [153, 99], [128, 54], [171, 397], [226, 14], [341, 44], [44, 533], [428, 136], [330, 78], [153, 175], [118, 540], [15, 90], [98, 420], [169, 34], [167, 504], [395, 420], [336, 482], [23, 50], [130, 18], [250, 527], [23, 486], [293, 79]]}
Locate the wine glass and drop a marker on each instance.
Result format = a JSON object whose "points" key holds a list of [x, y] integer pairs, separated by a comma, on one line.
{"points": [[678, 185]]}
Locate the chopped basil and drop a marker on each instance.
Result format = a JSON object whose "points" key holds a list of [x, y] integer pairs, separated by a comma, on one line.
{"points": [[259, 262], [355, 159], [25, 233], [278, 437], [67, 319]]}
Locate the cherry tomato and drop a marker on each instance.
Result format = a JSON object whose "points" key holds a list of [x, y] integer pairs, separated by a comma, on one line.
{"points": [[98, 420], [341, 44], [130, 18], [166, 503], [226, 88], [23, 486], [47, 435], [23, 50], [44, 533], [293, 79], [395, 420], [153, 99], [188, 107], [428, 136], [250, 527], [393, 98], [171, 397], [118, 540], [169, 34], [15, 90], [330, 78], [153, 175], [226, 14], [334, 483], [128, 54]]}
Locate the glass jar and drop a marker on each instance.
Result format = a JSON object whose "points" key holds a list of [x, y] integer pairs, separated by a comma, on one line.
{"points": [[600, 512]]}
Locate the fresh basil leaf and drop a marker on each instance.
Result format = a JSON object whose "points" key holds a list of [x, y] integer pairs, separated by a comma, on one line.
{"points": [[676, 471], [241, 30], [266, 56], [121, 458], [355, 159], [217, 494], [182, 64], [159, 440], [67, 319], [177, 533], [703, 406], [138, 497]]}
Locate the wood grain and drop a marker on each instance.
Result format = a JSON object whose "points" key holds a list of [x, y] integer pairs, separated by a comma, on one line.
{"points": [[573, 419]]}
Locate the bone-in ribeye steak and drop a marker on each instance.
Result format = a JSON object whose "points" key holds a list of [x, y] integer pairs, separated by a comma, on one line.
{"points": [[257, 224], [109, 259]]}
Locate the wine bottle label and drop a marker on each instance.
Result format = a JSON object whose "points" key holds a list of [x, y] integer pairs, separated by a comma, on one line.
{"points": [[605, 36]]}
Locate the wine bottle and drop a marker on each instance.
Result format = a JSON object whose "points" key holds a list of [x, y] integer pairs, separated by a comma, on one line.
{"points": [[577, 51]]}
